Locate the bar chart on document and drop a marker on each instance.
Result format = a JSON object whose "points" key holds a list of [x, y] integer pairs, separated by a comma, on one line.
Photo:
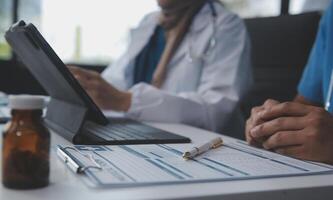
{"points": [[161, 164]]}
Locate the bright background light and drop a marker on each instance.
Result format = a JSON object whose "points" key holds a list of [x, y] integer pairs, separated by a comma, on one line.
{"points": [[97, 31], [91, 31], [254, 8]]}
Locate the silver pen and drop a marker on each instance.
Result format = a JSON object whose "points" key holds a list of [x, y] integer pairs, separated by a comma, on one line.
{"points": [[212, 144]]}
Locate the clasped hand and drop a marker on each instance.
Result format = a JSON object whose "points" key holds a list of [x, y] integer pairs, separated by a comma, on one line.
{"points": [[293, 129]]}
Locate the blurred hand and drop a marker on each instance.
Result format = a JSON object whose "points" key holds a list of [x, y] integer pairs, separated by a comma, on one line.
{"points": [[104, 94], [294, 129], [255, 120]]}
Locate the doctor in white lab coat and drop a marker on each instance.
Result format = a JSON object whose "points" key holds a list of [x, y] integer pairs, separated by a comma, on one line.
{"points": [[202, 82]]}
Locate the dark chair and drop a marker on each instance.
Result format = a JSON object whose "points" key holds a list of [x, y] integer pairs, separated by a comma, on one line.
{"points": [[280, 50]]}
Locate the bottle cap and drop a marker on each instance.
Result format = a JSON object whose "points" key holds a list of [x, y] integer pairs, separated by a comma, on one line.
{"points": [[26, 102]]}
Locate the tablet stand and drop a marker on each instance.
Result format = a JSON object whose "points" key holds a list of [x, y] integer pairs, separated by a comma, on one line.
{"points": [[65, 118]]}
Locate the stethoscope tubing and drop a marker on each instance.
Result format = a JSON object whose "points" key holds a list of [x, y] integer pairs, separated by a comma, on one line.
{"points": [[212, 42]]}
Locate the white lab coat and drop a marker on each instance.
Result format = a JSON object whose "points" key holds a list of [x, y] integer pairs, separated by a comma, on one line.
{"points": [[203, 93]]}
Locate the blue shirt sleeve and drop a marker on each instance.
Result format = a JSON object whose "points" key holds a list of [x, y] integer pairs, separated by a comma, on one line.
{"points": [[311, 83]]}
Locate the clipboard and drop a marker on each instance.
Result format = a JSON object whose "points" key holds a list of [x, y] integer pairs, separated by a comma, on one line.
{"points": [[144, 165]]}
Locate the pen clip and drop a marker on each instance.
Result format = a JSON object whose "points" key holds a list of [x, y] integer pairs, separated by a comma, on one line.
{"points": [[73, 163]]}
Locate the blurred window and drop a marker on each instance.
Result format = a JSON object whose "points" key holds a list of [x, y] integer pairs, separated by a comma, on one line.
{"points": [[87, 32], [97, 32], [300, 6], [254, 8], [5, 21]]}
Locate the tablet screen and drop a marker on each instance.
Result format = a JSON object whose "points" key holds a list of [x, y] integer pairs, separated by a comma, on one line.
{"points": [[37, 55]]}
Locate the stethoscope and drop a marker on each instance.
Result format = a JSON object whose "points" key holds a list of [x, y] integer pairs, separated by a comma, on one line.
{"points": [[329, 93], [191, 56]]}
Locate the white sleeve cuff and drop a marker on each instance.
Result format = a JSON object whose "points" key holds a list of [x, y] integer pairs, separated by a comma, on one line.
{"points": [[143, 97]]}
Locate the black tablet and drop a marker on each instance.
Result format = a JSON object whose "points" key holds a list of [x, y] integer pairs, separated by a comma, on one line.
{"points": [[71, 112], [49, 70]]}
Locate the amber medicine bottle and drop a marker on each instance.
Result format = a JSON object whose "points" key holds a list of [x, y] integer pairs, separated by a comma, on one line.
{"points": [[26, 145]]}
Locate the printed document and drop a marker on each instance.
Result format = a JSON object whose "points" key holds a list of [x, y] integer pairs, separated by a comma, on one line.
{"points": [[132, 165]]}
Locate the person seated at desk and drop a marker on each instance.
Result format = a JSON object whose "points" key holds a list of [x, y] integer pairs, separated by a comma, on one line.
{"points": [[302, 128], [188, 63]]}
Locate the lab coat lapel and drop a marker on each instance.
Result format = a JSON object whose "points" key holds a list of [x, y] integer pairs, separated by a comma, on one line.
{"points": [[139, 38], [198, 25], [141, 35]]}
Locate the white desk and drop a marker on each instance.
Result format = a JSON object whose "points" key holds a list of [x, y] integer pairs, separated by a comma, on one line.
{"points": [[66, 185]]}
